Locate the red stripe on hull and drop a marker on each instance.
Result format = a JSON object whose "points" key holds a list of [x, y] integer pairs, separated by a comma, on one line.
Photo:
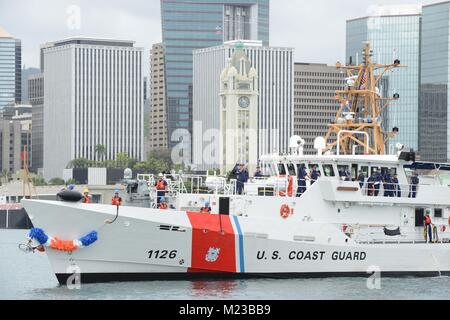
{"points": [[213, 243]]}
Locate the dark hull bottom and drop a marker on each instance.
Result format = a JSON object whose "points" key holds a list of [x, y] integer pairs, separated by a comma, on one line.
{"points": [[210, 276]]}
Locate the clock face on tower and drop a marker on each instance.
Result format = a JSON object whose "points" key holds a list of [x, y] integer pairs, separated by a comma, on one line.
{"points": [[244, 102]]}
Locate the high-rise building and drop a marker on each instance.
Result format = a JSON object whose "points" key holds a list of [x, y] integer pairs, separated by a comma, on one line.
{"points": [[434, 120], [315, 105], [189, 25], [393, 33], [15, 137], [275, 101], [36, 98], [158, 114], [93, 96], [11, 69], [26, 74]]}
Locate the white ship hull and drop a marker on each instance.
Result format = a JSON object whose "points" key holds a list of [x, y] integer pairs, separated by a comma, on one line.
{"points": [[164, 244]]}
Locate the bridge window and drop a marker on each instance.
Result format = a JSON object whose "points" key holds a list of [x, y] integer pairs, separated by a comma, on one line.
{"points": [[281, 169], [328, 170], [291, 169], [437, 212]]}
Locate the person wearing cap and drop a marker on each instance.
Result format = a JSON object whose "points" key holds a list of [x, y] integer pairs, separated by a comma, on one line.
{"points": [[86, 196], [258, 172], [161, 186], [116, 199], [206, 208]]}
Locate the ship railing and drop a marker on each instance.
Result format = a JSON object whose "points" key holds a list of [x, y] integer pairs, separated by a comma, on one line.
{"points": [[390, 190]]}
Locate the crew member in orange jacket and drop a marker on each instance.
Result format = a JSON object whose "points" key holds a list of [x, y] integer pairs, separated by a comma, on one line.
{"points": [[86, 196], [116, 200], [161, 186]]}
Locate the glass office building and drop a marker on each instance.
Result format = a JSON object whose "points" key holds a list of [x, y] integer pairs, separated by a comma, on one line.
{"points": [[393, 36], [10, 69], [189, 25], [434, 123]]}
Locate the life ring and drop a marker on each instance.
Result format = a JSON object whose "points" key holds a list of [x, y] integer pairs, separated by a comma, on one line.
{"points": [[449, 221], [285, 211], [443, 228]]}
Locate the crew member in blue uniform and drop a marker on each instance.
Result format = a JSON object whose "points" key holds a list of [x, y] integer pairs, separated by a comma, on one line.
{"points": [[413, 186], [396, 186], [242, 178], [258, 172], [387, 185], [301, 180], [361, 179], [315, 174]]}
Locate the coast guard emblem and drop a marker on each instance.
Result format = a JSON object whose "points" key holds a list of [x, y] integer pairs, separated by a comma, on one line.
{"points": [[212, 255]]}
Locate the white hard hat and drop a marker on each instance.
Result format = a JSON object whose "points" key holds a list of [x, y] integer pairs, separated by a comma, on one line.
{"points": [[160, 175]]}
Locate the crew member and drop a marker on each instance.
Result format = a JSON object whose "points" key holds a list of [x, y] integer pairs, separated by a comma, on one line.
{"points": [[413, 186], [387, 185], [301, 180], [258, 173], [161, 186], [314, 175], [428, 228], [86, 196], [396, 187], [242, 178], [377, 183], [206, 208], [116, 199], [163, 203], [361, 179]]}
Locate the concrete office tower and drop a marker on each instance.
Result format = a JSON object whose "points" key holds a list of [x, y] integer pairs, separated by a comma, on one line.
{"points": [[393, 33], [315, 105], [189, 25], [11, 70], [275, 101], [36, 98], [27, 73], [239, 113], [434, 120], [93, 95], [15, 134], [158, 113]]}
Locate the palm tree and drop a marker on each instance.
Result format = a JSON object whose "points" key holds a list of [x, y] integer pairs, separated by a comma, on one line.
{"points": [[100, 150]]}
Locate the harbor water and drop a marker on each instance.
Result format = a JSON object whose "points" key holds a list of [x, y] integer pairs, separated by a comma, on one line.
{"points": [[29, 276]]}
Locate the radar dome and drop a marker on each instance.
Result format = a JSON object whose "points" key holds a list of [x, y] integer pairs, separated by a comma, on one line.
{"points": [[127, 173]]}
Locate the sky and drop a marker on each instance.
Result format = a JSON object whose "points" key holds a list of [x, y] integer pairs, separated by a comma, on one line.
{"points": [[314, 28]]}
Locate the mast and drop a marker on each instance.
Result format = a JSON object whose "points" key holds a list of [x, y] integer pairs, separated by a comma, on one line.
{"points": [[358, 122]]}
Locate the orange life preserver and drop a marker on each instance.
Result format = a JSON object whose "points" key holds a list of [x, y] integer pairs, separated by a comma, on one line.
{"points": [[290, 187], [285, 211], [163, 206], [160, 185], [449, 221], [443, 228]]}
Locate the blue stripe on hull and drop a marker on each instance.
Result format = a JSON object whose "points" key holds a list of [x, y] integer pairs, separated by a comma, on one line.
{"points": [[241, 243]]}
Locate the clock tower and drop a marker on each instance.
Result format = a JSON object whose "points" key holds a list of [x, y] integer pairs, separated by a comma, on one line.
{"points": [[239, 113]]}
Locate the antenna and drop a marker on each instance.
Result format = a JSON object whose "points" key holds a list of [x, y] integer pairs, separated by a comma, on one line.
{"points": [[361, 108]]}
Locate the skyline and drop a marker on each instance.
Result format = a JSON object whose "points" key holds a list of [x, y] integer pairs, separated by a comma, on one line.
{"points": [[131, 21]]}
